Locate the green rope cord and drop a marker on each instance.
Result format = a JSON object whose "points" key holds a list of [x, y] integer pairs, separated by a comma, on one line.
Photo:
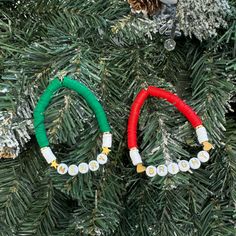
{"points": [[41, 106], [91, 100], [46, 97]]}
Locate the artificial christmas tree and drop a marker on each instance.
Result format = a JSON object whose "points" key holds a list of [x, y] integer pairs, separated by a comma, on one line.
{"points": [[116, 53]]}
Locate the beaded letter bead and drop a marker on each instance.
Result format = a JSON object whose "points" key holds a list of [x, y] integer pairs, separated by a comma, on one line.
{"points": [[151, 171], [62, 169], [203, 156], [162, 170]]}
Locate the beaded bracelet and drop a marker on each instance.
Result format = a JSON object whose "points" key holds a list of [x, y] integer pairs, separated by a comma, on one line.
{"points": [[41, 135], [172, 167]]}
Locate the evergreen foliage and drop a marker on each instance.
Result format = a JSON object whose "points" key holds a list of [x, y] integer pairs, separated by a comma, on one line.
{"points": [[41, 39]]}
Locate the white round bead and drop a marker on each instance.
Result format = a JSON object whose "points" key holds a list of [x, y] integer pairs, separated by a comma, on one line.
{"points": [[62, 169], [184, 165], [162, 170], [83, 168], [73, 170], [173, 168], [203, 156], [102, 158], [93, 165], [194, 163], [151, 171]]}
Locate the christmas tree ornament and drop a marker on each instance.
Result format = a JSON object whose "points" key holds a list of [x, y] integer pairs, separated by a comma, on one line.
{"points": [[171, 17], [161, 21], [169, 167], [41, 135], [164, 17], [170, 44]]}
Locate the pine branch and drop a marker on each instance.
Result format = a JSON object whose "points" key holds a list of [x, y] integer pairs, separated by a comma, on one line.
{"points": [[212, 92], [41, 218], [41, 39], [223, 185], [16, 193], [99, 213]]}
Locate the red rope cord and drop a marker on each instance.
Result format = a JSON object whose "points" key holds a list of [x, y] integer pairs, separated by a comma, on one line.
{"points": [[186, 110], [134, 116]]}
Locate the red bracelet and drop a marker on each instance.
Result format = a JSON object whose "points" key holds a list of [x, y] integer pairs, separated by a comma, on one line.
{"points": [[187, 111]]}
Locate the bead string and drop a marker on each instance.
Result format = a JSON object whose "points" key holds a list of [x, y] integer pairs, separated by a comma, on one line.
{"points": [[40, 130], [187, 111]]}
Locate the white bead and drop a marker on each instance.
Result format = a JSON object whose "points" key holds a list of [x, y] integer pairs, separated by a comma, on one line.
{"points": [[93, 165], [184, 165], [194, 163], [173, 168], [107, 140], [162, 170], [201, 134], [203, 156], [48, 154], [135, 156], [151, 171], [73, 170], [102, 158], [83, 168], [62, 169]]}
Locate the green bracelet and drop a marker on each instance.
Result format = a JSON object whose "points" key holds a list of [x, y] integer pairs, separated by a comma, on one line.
{"points": [[41, 134]]}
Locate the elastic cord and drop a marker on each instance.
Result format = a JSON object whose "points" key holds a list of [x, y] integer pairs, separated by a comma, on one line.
{"points": [[186, 110], [46, 97], [159, 93], [40, 131], [134, 116], [91, 101]]}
